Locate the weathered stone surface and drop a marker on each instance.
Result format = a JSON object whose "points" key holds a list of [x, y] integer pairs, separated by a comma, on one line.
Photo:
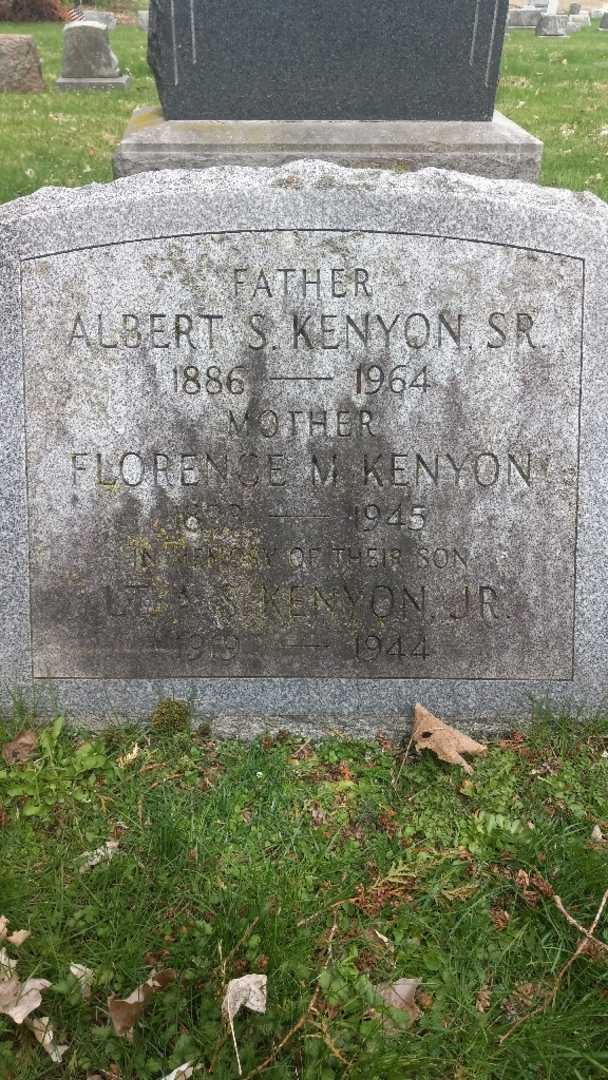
{"points": [[500, 148], [579, 22], [326, 60], [143, 19], [106, 18], [552, 26], [20, 67], [523, 18], [88, 60], [574, 9], [228, 499], [604, 22]]}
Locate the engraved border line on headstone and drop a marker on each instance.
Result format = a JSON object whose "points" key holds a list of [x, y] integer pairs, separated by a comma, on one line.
{"points": [[174, 42], [474, 38], [492, 42], [193, 32]]}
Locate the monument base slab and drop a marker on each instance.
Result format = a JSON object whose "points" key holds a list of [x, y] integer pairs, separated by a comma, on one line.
{"points": [[497, 148], [121, 82]]}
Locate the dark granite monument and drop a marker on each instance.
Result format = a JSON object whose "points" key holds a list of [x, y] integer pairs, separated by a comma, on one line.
{"points": [[326, 60], [405, 83]]}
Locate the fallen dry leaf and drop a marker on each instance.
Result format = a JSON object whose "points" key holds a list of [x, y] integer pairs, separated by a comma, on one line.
{"points": [[92, 858], [375, 936], [499, 917], [597, 835], [483, 999], [430, 733], [17, 937], [125, 1012], [523, 998], [85, 977], [183, 1072], [18, 999], [21, 748], [41, 1027], [399, 995], [7, 965], [249, 991], [129, 757]]}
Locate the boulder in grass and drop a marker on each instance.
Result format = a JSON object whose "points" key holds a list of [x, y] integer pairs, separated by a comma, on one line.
{"points": [[20, 68]]}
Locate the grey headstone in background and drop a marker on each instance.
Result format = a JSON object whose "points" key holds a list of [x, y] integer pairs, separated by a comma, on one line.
{"points": [[88, 60], [574, 9], [326, 60], [143, 19], [604, 22], [106, 18], [552, 26], [578, 22], [20, 68], [523, 18], [304, 445]]}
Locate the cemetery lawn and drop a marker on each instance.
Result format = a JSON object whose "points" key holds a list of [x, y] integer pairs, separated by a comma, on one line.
{"points": [[557, 88], [331, 868]]}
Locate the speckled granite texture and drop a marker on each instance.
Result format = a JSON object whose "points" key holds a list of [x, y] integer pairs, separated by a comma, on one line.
{"points": [[506, 229]]}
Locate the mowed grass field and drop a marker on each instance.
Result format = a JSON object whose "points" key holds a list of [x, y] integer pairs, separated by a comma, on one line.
{"points": [[333, 870], [557, 88]]}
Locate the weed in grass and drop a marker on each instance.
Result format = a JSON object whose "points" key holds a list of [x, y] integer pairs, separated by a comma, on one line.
{"points": [[171, 716]]}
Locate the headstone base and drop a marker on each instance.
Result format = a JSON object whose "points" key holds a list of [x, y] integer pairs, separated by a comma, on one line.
{"points": [[121, 82], [498, 148]]}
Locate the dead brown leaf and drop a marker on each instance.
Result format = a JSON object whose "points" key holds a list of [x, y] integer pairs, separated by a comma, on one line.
{"points": [[499, 917], [523, 997], [92, 858], [483, 999], [21, 748], [125, 1012], [398, 995], [448, 744], [43, 1032], [247, 992], [85, 977], [18, 999]]}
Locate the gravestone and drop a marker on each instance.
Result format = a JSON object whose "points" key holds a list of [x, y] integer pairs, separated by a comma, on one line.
{"points": [[20, 68], [306, 445], [579, 22], [88, 60], [523, 18], [142, 20], [393, 82], [324, 60], [106, 18], [604, 22], [574, 9], [552, 26]]}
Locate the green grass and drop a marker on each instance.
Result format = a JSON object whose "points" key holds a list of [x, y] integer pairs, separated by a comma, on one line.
{"points": [[68, 137], [237, 859], [556, 88]]}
